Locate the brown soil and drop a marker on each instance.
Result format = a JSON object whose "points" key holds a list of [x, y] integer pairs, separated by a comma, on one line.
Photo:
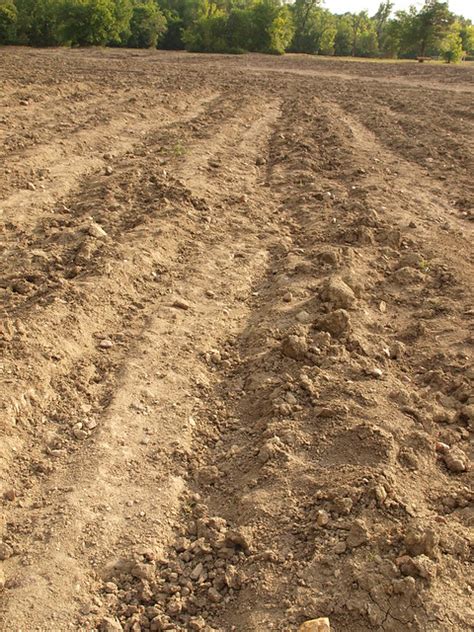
{"points": [[237, 375]]}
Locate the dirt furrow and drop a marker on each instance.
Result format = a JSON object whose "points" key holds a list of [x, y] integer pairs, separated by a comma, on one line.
{"points": [[125, 428]]}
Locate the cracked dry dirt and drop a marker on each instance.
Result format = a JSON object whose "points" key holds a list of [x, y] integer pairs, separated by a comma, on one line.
{"points": [[237, 307]]}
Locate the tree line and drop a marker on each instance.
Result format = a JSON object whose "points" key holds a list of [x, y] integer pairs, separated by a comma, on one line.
{"points": [[235, 26]]}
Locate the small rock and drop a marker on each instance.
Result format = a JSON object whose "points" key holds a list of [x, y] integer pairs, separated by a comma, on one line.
{"points": [[467, 413], [196, 623], [214, 595], [396, 349], [295, 347], [338, 293], [260, 161], [237, 538], [208, 474], [24, 102], [381, 494], [322, 518], [30, 186], [329, 257], [316, 625], [197, 571], [108, 170], [456, 460], [288, 297], [303, 317], [358, 534], [6, 551], [80, 434], [143, 571], [175, 606], [180, 303], [337, 323], [106, 343], [407, 276], [232, 578], [2, 579], [340, 548], [215, 356], [95, 230], [376, 372], [421, 541], [10, 494], [410, 260], [109, 624]]}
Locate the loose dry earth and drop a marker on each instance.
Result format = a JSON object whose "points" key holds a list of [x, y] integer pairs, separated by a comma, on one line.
{"points": [[237, 383]]}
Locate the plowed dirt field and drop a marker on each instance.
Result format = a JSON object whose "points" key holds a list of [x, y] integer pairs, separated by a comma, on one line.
{"points": [[237, 327]]}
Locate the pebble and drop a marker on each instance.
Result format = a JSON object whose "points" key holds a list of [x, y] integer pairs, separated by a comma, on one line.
{"points": [[288, 297], [303, 317], [316, 625], [6, 551], [358, 534], [197, 571], [179, 303], [337, 323], [396, 349], [196, 623], [108, 170], [295, 347], [380, 493], [322, 518], [10, 494], [377, 373], [338, 293], [109, 624], [454, 458], [214, 595], [30, 186], [106, 343], [95, 230], [80, 434]]}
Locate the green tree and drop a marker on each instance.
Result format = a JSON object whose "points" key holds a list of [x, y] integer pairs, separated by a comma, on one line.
{"points": [[147, 24], [466, 31], [273, 27], [364, 36], [432, 25], [315, 28], [88, 22], [239, 30], [381, 20], [122, 12], [207, 33], [451, 47], [8, 21], [390, 44], [344, 37], [382, 16], [38, 22]]}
